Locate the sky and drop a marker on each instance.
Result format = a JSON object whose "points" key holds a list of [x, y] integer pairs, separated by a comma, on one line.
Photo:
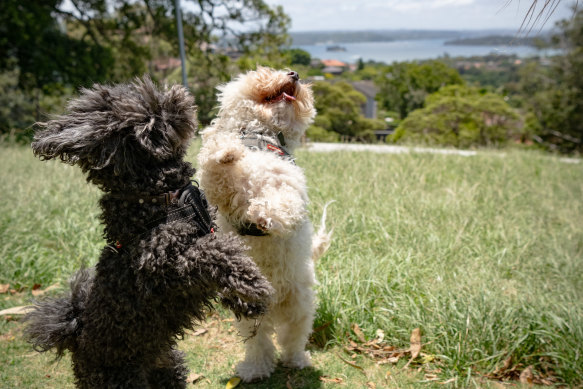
{"points": [[317, 15]]}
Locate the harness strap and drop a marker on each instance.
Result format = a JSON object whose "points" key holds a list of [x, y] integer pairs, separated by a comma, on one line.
{"points": [[193, 207], [260, 142], [251, 229], [164, 198]]}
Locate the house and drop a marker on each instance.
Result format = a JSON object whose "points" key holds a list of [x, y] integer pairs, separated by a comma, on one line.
{"points": [[166, 64], [333, 66], [369, 90]]}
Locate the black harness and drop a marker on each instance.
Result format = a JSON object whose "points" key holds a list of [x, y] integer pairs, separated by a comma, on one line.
{"points": [[193, 207], [259, 142]]}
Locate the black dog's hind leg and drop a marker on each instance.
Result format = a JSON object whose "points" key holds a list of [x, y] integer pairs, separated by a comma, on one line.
{"points": [[170, 371], [121, 376]]}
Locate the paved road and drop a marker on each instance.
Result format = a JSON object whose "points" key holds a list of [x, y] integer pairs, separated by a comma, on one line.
{"points": [[392, 149]]}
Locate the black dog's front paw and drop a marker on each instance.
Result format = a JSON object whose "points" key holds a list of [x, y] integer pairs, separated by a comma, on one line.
{"points": [[240, 308], [252, 304]]}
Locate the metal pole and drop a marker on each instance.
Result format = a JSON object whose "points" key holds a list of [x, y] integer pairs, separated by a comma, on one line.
{"points": [[181, 42]]}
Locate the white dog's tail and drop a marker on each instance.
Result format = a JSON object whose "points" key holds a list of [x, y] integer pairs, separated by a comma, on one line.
{"points": [[322, 239]]}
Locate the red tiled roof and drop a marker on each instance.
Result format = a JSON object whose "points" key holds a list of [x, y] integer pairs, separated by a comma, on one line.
{"points": [[333, 62]]}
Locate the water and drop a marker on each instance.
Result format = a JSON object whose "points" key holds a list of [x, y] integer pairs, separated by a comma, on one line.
{"points": [[408, 50]]}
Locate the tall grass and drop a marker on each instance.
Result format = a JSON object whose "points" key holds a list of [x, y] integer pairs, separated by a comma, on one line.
{"points": [[48, 219], [482, 253]]}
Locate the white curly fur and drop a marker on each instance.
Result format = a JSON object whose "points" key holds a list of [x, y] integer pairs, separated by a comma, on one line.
{"points": [[259, 187]]}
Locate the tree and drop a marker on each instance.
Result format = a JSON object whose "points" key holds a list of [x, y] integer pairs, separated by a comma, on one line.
{"points": [[32, 40], [554, 94], [299, 56], [404, 86], [52, 47], [339, 113], [462, 117]]}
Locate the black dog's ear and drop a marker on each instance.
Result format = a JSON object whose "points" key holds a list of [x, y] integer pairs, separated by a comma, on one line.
{"points": [[78, 135], [171, 119], [104, 124]]}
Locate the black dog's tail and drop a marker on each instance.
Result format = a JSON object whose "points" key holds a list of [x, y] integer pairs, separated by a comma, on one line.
{"points": [[55, 323]]}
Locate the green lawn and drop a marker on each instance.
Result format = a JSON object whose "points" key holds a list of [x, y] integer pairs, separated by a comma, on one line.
{"points": [[483, 254]]}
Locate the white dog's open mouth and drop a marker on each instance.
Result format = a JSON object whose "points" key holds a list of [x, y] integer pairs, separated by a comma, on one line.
{"points": [[286, 93]]}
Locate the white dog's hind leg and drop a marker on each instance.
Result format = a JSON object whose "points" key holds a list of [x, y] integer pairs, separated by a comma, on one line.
{"points": [[259, 359], [295, 328]]}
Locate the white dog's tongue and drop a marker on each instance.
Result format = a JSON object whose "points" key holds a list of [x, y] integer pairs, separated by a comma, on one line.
{"points": [[288, 97]]}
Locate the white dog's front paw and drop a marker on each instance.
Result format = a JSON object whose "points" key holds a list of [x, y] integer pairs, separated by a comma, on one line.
{"points": [[297, 360], [250, 371]]}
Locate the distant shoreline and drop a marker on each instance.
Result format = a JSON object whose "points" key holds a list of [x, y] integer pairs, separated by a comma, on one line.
{"points": [[477, 37], [497, 40], [414, 50]]}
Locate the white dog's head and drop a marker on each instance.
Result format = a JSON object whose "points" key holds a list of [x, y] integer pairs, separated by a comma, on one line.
{"points": [[267, 100]]}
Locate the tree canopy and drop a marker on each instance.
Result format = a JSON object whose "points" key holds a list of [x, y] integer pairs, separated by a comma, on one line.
{"points": [[461, 116], [554, 94], [404, 86], [339, 113]]}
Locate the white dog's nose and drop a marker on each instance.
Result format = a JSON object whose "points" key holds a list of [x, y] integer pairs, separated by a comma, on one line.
{"points": [[294, 75]]}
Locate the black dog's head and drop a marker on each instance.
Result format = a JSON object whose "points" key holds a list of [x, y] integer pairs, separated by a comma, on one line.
{"points": [[121, 130]]}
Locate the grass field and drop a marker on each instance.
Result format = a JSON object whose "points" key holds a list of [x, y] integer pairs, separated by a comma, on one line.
{"points": [[484, 254]]}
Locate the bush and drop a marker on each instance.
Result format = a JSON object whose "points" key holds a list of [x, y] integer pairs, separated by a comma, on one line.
{"points": [[462, 117], [319, 134]]}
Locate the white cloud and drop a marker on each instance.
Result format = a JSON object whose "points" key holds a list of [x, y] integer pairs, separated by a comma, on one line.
{"points": [[409, 14]]}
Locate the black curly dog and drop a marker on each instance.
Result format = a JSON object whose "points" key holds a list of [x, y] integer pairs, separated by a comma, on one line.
{"points": [[163, 266]]}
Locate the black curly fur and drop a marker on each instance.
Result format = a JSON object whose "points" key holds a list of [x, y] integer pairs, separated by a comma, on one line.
{"points": [[121, 320]]}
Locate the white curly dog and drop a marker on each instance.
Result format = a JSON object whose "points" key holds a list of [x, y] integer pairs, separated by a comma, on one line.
{"points": [[247, 171]]}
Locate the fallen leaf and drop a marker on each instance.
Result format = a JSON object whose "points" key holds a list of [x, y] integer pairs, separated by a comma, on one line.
{"points": [[505, 367], [36, 291], [415, 347], [358, 332], [200, 332], [371, 385], [193, 378], [4, 288], [393, 360], [22, 310], [427, 358], [527, 377], [380, 335], [322, 327], [288, 384], [7, 338], [331, 380], [233, 383], [351, 364], [415, 343], [448, 381]]}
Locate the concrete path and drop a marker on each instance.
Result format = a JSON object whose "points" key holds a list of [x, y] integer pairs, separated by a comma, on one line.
{"points": [[392, 149]]}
